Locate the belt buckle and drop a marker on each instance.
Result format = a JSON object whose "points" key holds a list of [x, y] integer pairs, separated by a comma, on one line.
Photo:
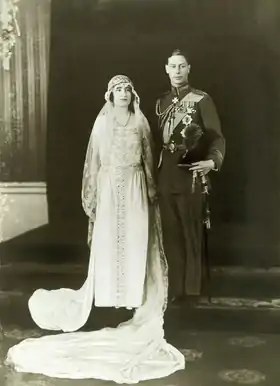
{"points": [[172, 147]]}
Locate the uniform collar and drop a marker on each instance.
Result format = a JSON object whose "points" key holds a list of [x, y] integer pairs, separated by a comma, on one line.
{"points": [[178, 91]]}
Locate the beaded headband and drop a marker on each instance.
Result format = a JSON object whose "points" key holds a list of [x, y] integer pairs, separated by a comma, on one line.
{"points": [[120, 79]]}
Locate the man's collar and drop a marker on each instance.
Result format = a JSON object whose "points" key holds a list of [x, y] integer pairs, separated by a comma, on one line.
{"points": [[181, 89]]}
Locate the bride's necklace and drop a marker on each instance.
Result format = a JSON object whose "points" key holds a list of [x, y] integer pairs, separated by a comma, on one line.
{"points": [[126, 123]]}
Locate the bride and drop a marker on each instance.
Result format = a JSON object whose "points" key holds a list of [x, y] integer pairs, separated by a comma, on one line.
{"points": [[127, 265]]}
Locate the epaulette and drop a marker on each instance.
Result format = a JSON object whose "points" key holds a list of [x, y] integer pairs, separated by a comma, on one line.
{"points": [[199, 92]]}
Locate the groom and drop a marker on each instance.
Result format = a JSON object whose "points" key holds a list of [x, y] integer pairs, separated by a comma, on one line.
{"points": [[190, 144]]}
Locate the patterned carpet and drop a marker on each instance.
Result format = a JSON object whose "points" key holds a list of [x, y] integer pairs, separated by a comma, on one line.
{"points": [[231, 341], [212, 358]]}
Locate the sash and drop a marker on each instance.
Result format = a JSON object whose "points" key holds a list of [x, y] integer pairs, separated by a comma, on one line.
{"points": [[179, 116]]}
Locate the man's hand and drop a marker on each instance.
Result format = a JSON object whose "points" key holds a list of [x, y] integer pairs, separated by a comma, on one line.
{"points": [[203, 166]]}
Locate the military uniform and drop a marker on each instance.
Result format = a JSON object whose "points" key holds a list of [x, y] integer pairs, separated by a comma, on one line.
{"points": [[181, 197]]}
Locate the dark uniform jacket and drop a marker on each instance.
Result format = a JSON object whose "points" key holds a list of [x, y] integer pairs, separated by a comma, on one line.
{"points": [[171, 177]]}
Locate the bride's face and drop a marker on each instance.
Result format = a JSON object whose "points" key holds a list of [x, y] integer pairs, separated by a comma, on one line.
{"points": [[122, 95]]}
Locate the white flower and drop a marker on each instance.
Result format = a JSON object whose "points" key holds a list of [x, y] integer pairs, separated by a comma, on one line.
{"points": [[9, 30], [183, 133]]}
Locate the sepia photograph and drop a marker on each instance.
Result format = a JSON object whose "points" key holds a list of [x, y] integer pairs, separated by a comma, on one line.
{"points": [[139, 192]]}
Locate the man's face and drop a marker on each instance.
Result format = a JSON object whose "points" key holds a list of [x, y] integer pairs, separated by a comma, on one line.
{"points": [[178, 70], [122, 95]]}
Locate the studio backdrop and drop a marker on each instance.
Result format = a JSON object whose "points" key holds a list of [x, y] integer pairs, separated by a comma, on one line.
{"points": [[234, 52]]}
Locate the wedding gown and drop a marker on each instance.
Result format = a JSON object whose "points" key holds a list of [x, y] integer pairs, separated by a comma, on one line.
{"points": [[136, 350]]}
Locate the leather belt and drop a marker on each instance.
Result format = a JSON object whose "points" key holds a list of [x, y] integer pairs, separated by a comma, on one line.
{"points": [[172, 147]]}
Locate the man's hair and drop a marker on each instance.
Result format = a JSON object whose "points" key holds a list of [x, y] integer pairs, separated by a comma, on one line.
{"points": [[178, 52]]}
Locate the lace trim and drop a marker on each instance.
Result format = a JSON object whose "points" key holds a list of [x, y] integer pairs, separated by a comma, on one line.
{"points": [[120, 247], [148, 163], [163, 260]]}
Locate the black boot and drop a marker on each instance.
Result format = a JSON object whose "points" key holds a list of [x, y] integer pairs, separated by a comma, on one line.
{"points": [[191, 301]]}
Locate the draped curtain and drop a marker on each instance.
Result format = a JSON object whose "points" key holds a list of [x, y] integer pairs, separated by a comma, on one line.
{"points": [[23, 97]]}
